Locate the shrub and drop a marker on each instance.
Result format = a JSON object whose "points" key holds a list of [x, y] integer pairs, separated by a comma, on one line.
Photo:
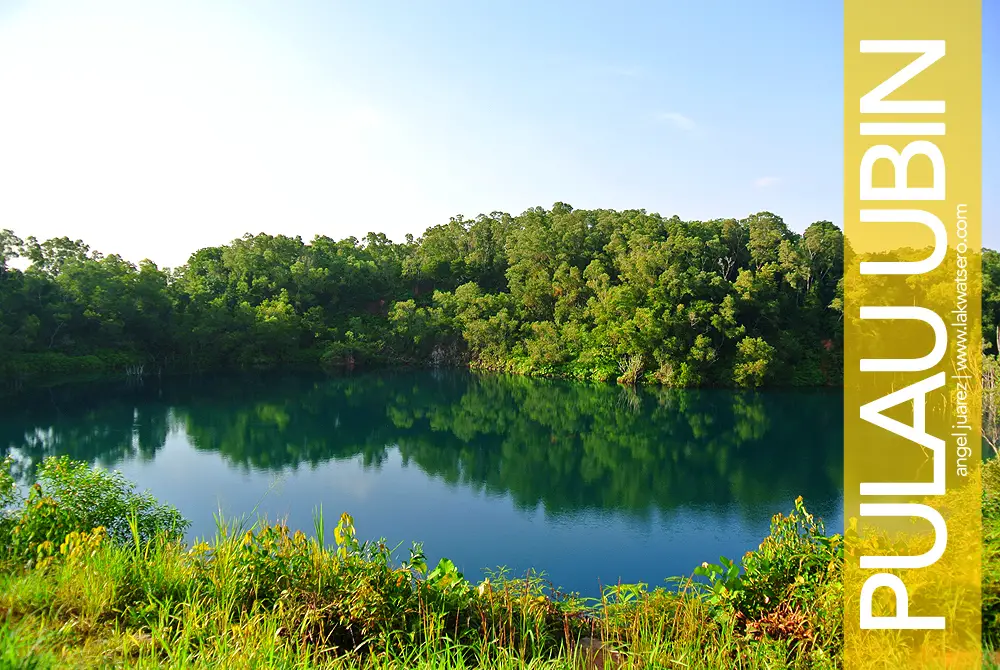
{"points": [[790, 564], [790, 587], [631, 369], [71, 497]]}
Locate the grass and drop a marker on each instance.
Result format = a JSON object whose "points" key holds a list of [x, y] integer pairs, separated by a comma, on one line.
{"points": [[94, 575]]}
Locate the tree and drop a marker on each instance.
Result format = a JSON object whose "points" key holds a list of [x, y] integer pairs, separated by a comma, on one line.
{"points": [[52, 256], [10, 245], [752, 362], [766, 231]]}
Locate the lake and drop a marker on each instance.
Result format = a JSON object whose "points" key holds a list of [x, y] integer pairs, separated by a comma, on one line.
{"points": [[591, 484]]}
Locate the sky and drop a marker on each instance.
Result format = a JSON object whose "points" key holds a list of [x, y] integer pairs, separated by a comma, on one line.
{"points": [[152, 129]]}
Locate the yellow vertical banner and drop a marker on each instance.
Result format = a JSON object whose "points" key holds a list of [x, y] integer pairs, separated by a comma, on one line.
{"points": [[912, 384]]}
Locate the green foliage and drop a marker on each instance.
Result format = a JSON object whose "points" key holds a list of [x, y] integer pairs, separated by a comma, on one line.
{"points": [[18, 652], [71, 497], [8, 485], [790, 586], [991, 402], [753, 362], [264, 596], [790, 566], [991, 298], [724, 582], [631, 369], [558, 292], [991, 552]]}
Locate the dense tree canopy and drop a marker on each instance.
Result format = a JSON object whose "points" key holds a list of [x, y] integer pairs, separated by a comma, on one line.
{"points": [[587, 294]]}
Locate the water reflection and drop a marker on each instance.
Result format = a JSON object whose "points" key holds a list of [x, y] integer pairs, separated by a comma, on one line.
{"points": [[590, 481], [566, 446]]}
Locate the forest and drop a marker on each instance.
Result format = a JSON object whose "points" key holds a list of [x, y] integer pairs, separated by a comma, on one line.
{"points": [[601, 295]]}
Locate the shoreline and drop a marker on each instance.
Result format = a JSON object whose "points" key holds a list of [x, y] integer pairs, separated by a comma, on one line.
{"points": [[144, 596], [11, 386], [403, 611]]}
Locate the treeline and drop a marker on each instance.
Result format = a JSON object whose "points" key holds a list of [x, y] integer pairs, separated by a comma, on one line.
{"points": [[586, 294]]}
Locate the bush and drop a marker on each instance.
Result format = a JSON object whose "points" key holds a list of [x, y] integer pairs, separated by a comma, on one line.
{"points": [[791, 564], [71, 497], [790, 587]]}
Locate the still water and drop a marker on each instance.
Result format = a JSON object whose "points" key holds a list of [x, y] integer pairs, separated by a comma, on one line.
{"points": [[591, 484]]}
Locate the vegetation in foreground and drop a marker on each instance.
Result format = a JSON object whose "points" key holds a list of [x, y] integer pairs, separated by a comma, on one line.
{"points": [[95, 574]]}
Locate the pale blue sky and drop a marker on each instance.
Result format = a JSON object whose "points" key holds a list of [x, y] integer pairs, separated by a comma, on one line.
{"points": [[155, 128]]}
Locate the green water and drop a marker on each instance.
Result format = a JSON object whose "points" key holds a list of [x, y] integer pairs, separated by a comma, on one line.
{"points": [[590, 483]]}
